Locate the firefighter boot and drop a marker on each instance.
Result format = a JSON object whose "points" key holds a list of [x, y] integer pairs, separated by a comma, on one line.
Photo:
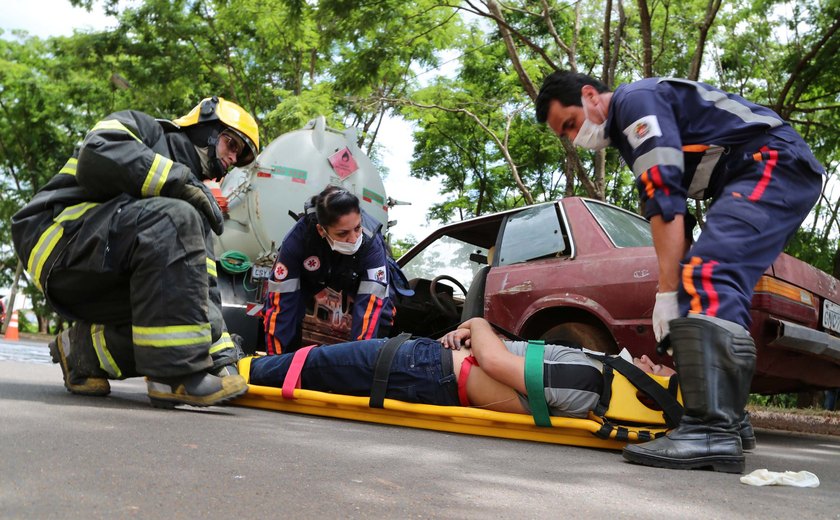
{"points": [[715, 360], [198, 389], [82, 374]]}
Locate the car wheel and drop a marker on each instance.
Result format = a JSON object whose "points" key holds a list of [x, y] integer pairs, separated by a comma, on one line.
{"points": [[586, 335]]}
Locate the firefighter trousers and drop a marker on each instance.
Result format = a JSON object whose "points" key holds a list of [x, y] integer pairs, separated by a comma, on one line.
{"points": [[139, 279]]}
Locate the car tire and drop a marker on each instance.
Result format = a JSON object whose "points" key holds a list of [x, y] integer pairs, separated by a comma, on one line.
{"points": [[585, 335]]}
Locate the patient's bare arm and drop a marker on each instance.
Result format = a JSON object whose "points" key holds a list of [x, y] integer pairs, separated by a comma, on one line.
{"points": [[499, 363]]}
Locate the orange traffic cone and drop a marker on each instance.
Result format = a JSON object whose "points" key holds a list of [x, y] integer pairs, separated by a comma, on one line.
{"points": [[12, 330]]}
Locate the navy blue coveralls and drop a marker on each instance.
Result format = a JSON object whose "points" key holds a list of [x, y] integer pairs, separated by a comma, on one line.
{"points": [[687, 139], [305, 265]]}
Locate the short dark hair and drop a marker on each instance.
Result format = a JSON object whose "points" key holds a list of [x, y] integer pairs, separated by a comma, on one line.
{"points": [[333, 203], [564, 86]]}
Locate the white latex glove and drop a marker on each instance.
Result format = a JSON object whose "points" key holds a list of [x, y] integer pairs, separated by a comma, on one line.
{"points": [[665, 310]]}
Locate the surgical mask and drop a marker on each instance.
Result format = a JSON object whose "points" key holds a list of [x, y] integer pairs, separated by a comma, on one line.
{"points": [[590, 135], [345, 248]]}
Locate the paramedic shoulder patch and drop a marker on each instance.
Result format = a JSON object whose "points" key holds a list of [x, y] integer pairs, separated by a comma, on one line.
{"points": [[378, 274], [641, 130]]}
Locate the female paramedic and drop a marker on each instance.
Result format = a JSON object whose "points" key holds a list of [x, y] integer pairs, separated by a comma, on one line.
{"points": [[337, 245], [489, 373]]}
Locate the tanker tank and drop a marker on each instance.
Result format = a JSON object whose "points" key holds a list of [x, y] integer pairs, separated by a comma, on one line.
{"points": [[290, 170]]}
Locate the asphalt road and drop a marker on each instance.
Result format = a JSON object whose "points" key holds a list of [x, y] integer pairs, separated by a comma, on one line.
{"points": [[65, 456]]}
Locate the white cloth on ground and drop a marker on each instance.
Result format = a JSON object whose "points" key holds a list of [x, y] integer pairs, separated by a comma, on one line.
{"points": [[763, 477]]}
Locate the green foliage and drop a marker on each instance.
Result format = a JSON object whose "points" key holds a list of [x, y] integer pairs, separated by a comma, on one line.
{"points": [[399, 246], [775, 400], [288, 61]]}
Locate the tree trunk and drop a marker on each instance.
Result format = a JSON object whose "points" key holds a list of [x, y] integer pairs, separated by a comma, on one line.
{"points": [[644, 27]]}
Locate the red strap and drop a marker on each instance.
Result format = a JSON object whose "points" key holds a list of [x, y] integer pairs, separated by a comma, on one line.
{"points": [[466, 366], [292, 380]]}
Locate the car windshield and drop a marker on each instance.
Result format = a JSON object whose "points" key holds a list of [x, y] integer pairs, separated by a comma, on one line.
{"points": [[446, 255], [622, 227]]}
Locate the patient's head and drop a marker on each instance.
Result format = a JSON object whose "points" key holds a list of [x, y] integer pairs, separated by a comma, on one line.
{"points": [[649, 367]]}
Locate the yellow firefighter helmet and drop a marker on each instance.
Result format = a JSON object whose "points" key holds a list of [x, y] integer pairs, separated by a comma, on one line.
{"points": [[232, 116]]}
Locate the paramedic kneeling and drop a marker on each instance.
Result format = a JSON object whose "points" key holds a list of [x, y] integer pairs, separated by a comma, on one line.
{"points": [[433, 372], [337, 245]]}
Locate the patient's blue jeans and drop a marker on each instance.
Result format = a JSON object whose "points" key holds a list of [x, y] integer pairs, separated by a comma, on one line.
{"points": [[420, 373]]}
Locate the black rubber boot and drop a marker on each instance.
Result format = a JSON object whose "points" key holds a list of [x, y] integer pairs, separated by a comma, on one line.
{"points": [[198, 389], [79, 367], [715, 360], [745, 430]]}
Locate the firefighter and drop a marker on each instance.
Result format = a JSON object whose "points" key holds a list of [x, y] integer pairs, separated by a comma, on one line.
{"points": [[688, 139], [335, 244], [120, 242]]}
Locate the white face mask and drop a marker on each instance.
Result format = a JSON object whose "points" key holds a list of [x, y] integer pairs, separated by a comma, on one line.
{"points": [[345, 248], [590, 135]]}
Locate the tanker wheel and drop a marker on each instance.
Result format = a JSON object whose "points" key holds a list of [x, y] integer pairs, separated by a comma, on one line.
{"points": [[586, 335]]}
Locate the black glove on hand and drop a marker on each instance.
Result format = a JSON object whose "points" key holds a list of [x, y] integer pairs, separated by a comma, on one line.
{"points": [[202, 199]]}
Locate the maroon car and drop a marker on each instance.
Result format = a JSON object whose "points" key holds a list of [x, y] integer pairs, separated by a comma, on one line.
{"points": [[585, 271]]}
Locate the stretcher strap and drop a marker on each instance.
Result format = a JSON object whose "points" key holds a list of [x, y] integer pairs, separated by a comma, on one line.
{"points": [[466, 366], [534, 384], [383, 369], [292, 379]]}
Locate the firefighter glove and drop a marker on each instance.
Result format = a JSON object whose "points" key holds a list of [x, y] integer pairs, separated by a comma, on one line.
{"points": [[665, 310], [202, 200]]}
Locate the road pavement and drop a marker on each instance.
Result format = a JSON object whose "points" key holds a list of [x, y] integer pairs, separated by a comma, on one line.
{"points": [[66, 456]]}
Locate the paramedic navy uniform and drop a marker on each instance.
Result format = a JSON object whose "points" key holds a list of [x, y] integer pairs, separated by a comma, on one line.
{"points": [[306, 264], [688, 139]]}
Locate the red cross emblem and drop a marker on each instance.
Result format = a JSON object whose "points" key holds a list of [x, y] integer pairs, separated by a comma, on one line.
{"points": [[313, 263], [280, 271]]}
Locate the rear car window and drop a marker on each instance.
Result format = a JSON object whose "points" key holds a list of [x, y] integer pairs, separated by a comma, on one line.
{"points": [[623, 228], [531, 234]]}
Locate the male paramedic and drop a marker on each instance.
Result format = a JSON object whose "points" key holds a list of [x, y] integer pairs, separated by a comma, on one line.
{"points": [[489, 373], [120, 242], [687, 139]]}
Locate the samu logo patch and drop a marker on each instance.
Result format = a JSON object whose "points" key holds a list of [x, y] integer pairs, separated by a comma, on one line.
{"points": [[642, 129]]}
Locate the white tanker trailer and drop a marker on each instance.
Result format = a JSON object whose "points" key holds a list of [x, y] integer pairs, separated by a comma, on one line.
{"points": [[260, 202]]}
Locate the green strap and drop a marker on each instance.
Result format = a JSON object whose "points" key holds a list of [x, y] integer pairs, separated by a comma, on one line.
{"points": [[534, 382]]}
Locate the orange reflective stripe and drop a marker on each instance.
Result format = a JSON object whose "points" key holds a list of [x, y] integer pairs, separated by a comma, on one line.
{"points": [[695, 147], [371, 302], [273, 345], [645, 177], [688, 285]]}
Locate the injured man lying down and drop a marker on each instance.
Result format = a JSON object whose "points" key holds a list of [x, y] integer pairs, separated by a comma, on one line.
{"points": [[469, 366]]}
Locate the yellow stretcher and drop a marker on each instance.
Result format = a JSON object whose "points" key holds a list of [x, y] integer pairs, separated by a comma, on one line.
{"points": [[593, 432]]}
